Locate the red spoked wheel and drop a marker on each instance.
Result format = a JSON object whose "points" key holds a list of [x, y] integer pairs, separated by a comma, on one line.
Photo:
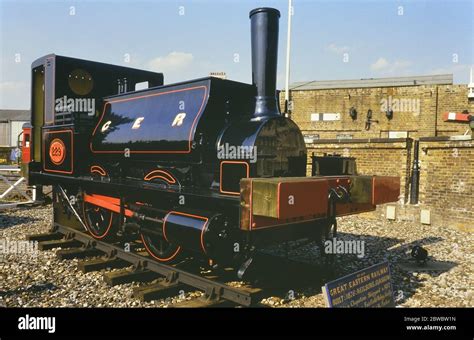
{"points": [[160, 249], [101, 223], [157, 246]]}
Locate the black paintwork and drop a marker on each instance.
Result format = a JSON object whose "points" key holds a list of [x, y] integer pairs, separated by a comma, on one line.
{"points": [[264, 36], [133, 133]]}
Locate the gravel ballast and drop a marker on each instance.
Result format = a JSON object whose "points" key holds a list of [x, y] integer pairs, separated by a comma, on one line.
{"points": [[45, 281]]}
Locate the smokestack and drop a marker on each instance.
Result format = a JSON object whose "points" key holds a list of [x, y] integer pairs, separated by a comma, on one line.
{"points": [[264, 31]]}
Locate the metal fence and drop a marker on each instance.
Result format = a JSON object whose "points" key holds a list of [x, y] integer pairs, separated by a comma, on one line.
{"points": [[14, 187]]}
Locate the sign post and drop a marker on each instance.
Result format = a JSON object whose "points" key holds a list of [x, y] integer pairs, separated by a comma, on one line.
{"points": [[369, 287]]}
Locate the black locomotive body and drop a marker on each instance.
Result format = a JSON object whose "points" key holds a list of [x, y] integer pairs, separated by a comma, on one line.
{"points": [[207, 166]]}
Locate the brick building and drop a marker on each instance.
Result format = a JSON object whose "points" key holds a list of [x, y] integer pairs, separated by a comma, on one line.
{"points": [[335, 118]]}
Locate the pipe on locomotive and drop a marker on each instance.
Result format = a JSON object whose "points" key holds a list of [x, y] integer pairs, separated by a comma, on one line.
{"points": [[264, 36]]}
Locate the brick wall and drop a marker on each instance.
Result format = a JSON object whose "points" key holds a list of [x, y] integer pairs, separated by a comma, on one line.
{"points": [[380, 157], [446, 175], [420, 110], [447, 169], [447, 182], [452, 98]]}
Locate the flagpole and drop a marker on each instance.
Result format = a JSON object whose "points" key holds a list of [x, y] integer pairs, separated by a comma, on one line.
{"points": [[288, 47]]}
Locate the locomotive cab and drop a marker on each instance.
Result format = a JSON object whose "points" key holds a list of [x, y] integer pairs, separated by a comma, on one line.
{"points": [[66, 98]]}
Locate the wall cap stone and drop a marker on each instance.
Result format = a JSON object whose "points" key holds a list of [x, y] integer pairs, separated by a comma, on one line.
{"points": [[446, 138], [361, 140]]}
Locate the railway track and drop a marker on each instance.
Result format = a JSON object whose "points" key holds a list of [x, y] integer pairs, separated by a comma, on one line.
{"points": [[159, 280]]}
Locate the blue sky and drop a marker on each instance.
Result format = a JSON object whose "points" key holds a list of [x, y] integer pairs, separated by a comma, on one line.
{"points": [[430, 37]]}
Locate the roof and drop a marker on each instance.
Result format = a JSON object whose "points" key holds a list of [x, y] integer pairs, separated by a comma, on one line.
{"points": [[16, 115], [437, 79]]}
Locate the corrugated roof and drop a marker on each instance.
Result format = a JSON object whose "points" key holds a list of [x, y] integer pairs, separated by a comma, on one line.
{"points": [[437, 79], [20, 115]]}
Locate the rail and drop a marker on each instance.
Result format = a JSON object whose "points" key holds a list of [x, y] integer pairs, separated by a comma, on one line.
{"points": [[214, 290]]}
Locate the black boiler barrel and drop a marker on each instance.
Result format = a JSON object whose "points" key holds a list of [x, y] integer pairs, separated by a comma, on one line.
{"points": [[264, 35]]}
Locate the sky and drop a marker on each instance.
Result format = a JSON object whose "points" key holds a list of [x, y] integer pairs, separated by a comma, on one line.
{"points": [[186, 39]]}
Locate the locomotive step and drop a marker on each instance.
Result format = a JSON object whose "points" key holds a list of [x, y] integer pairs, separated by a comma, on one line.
{"points": [[127, 276], [44, 237], [158, 290], [66, 254], [92, 265], [47, 245]]}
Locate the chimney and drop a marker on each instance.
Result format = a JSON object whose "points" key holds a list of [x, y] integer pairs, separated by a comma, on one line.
{"points": [[264, 31]]}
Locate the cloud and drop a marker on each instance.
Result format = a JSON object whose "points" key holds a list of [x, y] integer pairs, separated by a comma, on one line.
{"points": [[173, 62], [337, 49], [383, 65], [380, 64]]}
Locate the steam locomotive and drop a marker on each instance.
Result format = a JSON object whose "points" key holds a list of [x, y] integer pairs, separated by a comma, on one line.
{"points": [[207, 167]]}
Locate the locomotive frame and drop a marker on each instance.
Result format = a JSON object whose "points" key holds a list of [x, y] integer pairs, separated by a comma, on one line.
{"points": [[145, 165]]}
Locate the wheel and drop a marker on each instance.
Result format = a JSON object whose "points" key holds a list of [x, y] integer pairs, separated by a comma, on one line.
{"points": [[160, 249], [101, 223]]}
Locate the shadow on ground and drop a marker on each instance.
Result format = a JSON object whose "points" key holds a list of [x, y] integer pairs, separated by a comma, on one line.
{"points": [[305, 270], [34, 288], [7, 221]]}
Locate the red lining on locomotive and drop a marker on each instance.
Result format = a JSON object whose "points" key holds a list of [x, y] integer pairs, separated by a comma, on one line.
{"points": [[220, 176], [204, 227], [166, 176], [62, 152], [151, 95], [156, 257], [72, 152], [98, 169]]}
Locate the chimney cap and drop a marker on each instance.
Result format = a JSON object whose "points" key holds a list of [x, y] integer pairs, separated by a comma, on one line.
{"points": [[264, 9]]}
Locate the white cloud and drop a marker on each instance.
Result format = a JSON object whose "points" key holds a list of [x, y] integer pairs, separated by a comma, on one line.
{"points": [[337, 49], [383, 65], [173, 62], [380, 64]]}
